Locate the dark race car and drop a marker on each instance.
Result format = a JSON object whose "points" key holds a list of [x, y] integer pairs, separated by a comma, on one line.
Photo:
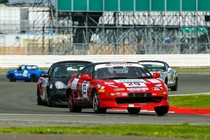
{"points": [[51, 87], [25, 72], [117, 85], [167, 74]]}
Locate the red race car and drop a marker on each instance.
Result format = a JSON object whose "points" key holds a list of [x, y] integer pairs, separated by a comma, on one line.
{"points": [[117, 85]]}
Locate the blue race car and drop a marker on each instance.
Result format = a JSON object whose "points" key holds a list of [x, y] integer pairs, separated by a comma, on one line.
{"points": [[25, 72]]}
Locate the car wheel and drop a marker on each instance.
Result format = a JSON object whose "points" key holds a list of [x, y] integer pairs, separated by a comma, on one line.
{"points": [[39, 101], [162, 110], [49, 102], [166, 81], [12, 78], [175, 87], [71, 105], [96, 104], [34, 78], [133, 110]]}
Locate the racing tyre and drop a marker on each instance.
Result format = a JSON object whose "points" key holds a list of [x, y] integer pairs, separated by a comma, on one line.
{"points": [[39, 101], [34, 78], [133, 110], [49, 102], [175, 87], [71, 105], [96, 104], [162, 110], [12, 78], [166, 81]]}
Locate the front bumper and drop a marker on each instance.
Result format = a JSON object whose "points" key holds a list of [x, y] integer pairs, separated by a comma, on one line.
{"points": [[57, 97], [138, 102]]}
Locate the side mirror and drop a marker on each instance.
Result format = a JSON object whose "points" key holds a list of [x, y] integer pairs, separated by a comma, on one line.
{"points": [[85, 77], [156, 75], [44, 75]]}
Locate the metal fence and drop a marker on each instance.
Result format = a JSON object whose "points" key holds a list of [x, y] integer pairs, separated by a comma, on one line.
{"points": [[43, 31]]}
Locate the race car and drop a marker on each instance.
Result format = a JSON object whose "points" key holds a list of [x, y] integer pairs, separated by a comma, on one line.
{"points": [[26, 72], [167, 74], [125, 85], [51, 87]]}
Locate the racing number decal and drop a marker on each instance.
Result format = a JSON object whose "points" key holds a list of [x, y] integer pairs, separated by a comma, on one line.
{"points": [[85, 87], [25, 73], [135, 84], [74, 84]]}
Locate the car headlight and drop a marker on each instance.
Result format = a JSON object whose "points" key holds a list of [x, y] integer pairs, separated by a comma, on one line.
{"points": [[60, 85]]}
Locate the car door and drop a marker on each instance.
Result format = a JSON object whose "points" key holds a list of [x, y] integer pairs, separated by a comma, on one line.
{"points": [[83, 85], [26, 73], [19, 72]]}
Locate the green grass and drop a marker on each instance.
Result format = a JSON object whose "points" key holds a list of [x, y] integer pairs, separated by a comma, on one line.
{"points": [[155, 130], [194, 101], [192, 70], [199, 132]]}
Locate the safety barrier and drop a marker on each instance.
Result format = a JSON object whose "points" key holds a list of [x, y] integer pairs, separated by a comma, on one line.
{"points": [[179, 60]]}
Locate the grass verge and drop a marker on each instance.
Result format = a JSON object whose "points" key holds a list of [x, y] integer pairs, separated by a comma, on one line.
{"points": [[155, 130], [191, 101]]}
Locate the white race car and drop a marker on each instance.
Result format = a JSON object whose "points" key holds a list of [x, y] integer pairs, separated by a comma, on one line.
{"points": [[168, 75]]}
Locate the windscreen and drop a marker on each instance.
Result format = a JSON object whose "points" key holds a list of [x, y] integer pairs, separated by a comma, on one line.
{"points": [[121, 71], [32, 67], [153, 66], [67, 69]]}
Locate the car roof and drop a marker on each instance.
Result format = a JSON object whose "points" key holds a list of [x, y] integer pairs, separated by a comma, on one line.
{"points": [[159, 61], [72, 61], [110, 62], [27, 65]]}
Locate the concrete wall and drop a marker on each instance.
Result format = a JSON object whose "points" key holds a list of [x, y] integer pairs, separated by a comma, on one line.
{"points": [[180, 60]]}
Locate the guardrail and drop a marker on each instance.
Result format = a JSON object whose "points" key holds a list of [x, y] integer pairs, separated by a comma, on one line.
{"points": [[176, 60]]}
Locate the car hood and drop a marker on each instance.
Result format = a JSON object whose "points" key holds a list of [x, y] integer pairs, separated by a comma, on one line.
{"points": [[9, 72], [131, 84], [42, 71]]}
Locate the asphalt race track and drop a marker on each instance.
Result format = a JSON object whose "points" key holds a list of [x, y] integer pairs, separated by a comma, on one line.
{"points": [[18, 107]]}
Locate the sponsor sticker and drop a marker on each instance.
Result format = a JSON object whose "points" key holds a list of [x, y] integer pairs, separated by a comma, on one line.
{"points": [[101, 90], [119, 64], [157, 88], [108, 83], [137, 89], [98, 85], [158, 85], [154, 80], [117, 89], [129, 80], [142, 104], [74, 84], [130, 105]]}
